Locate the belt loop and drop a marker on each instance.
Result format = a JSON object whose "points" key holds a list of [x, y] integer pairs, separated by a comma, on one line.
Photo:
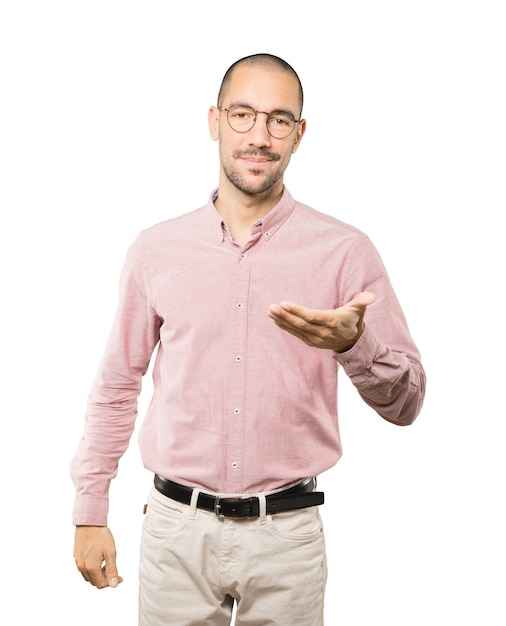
{"points": [[193, 504], [262, 504]]}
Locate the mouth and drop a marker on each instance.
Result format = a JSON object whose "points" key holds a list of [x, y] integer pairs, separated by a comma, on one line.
{"points": [[256, 162], [256, 158]]}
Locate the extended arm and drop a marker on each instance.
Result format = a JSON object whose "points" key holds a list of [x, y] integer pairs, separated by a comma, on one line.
{"points": [[368, 335]]}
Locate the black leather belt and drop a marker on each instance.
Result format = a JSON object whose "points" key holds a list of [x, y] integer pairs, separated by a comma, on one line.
{"points": [[299, 496]]}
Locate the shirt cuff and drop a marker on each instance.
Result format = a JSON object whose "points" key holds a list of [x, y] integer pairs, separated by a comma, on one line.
{"points": [[90, 512], [358, 359]]}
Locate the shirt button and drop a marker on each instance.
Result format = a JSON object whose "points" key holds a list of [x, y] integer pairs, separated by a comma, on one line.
{"points": [[238, 358], [243, 256], [237, 411], [234, 465], [239, 305], [267, 235]]}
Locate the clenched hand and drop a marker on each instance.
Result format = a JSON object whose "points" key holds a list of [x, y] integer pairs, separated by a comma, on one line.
{"points": [[95, 556]]}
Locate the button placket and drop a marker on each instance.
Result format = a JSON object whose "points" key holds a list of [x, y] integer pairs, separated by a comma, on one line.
{"points": [[237, 383]]}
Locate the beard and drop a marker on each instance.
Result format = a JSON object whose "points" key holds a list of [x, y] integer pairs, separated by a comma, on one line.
{"points": [[250, 187]]}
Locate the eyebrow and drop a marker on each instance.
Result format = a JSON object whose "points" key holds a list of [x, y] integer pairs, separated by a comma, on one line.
{"points": [[274, 112]]}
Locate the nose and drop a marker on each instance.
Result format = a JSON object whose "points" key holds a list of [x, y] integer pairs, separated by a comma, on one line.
{"points": [[259, 135]]}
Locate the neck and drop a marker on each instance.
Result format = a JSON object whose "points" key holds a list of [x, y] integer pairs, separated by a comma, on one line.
{"points": [[242, 210]]}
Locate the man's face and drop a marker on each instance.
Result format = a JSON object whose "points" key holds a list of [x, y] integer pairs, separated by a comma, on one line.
{"points": [[254, 161]]}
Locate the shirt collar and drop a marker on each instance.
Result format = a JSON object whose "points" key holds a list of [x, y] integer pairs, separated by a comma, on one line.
{"points": [[267, 225]]}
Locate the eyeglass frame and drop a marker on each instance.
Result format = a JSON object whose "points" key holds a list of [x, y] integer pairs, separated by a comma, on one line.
{"points": [[247, 106]]}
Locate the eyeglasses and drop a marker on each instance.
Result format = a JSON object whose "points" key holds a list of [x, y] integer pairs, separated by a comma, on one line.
{"points": [[242, 118]]}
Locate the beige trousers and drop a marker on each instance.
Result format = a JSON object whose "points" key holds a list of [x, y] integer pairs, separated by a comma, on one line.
{"points": [[194, 565]]}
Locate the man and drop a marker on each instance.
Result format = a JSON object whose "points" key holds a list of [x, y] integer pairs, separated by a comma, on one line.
{"points": [[254, 301]]}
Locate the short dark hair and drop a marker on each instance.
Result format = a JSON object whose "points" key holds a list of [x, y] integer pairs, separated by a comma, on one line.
{"points": [[266, 61]]}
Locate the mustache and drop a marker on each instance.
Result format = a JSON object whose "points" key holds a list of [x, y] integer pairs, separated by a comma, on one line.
{"points": [[256, 152]]}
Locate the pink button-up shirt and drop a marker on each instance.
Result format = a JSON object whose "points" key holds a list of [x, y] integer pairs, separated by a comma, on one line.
{"points": [[239, 405]]}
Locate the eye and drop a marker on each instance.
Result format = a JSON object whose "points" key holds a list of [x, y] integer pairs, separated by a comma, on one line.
{"points": [[242, 113], [281, 121]]}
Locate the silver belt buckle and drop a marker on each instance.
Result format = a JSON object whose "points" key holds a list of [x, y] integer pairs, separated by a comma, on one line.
{"points": [[217, 507]]}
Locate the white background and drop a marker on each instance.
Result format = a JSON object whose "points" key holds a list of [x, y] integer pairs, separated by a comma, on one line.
{"points": [[104, 132]]}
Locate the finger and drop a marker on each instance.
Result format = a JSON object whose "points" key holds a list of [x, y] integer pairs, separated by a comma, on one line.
{"points": [[95, 576], [298, 317], [293, 312], [305, 335], [87, 572], [291, 323], [281, 323]]}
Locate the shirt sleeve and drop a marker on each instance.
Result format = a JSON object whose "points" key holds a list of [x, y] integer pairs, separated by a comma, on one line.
{"points": [[112, 404], [384, 365]]}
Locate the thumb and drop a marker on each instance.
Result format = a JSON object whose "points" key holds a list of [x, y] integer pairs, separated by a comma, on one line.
{"points": [[111, 572], [363, 299], [359, 306]]}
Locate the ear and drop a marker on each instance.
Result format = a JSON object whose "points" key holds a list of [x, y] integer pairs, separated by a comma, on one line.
{"points": [[301, 129], [213, 119]]}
